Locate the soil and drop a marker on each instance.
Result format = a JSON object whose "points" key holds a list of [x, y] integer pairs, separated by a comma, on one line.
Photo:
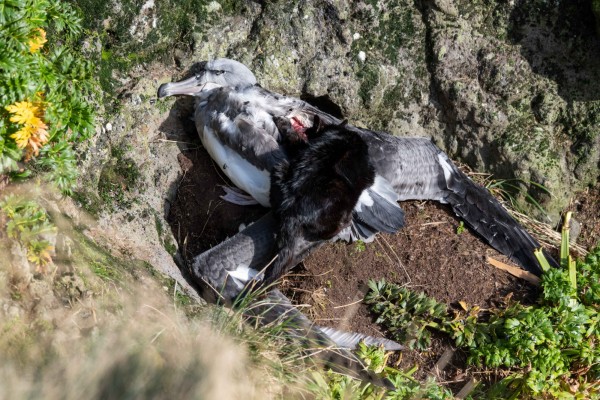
{"points": [[586, 211], [431, 254]]}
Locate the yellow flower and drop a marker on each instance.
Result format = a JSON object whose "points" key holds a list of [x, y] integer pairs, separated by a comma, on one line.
{"points": [[23, 112], [37, 42], [22, 136], [33, 134]]}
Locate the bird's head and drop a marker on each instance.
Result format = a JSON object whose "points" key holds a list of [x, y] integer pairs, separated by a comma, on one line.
{"points": [[210, 74]]}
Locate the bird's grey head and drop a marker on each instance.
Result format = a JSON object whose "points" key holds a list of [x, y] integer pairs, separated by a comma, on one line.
{"points": [[211, 74]]}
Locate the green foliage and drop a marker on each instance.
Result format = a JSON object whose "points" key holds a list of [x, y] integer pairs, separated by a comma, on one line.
{"points": [[29, 224], [404, 313], [374, 357], [330, 385], [55, 77], [551, 349], [460, 228], [359, 246]]}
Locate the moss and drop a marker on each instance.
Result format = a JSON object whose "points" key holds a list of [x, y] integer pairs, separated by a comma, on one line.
{"points": [[488, 18], [105, 271], [368, 75], [89, 256], [596, 11], [91, 203], [386, 28], [581, 122], [176, 23], [395, 29], [233, 7], [394, 74], [100, 261], [526, 137], [118, 179], [170, 246], [164, 237]]}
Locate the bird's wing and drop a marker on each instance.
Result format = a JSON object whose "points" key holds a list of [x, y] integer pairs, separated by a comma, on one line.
{"points": [[286, 106], [377, 210], [419, 170], [240, 125], [252, 249]]}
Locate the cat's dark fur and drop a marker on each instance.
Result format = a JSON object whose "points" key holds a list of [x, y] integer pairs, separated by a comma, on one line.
{"points": [[314, 191]]}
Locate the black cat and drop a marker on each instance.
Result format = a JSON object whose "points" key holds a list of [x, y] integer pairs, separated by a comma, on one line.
{"points": [[314, 191]]}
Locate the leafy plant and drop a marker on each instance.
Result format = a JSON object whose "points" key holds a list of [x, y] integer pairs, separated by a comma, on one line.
{"points": [[404, 313], [28, 223], [330, 385], [359, 246], [551, 349], [46, 88], [374, 357]]}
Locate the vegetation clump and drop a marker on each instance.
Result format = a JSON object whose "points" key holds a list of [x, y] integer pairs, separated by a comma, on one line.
{"points": [[550, 349], [330, 385], [45, 90], [28, 223]]}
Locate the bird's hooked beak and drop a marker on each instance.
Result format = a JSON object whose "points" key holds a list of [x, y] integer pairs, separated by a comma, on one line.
{"points": [[189, 87]]}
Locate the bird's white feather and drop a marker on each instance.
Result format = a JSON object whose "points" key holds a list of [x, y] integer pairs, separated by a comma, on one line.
{"points": [[243, 174], [242, 275]]}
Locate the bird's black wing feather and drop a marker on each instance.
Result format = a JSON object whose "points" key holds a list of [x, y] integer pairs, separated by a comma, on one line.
{"points": [[417, 169]]}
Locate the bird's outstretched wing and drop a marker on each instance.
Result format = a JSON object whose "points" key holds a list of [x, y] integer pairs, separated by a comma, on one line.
{"points": [[217, 272], [419, 170]]}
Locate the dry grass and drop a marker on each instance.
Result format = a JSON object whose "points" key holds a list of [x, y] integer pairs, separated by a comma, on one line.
{"points": [[98, 327], [129, 344]]}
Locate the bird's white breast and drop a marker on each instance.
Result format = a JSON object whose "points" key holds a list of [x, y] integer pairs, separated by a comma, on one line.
{"points": [[244, 175]]}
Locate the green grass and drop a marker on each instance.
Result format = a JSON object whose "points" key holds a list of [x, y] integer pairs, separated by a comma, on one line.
{"points": [[105, 271]]}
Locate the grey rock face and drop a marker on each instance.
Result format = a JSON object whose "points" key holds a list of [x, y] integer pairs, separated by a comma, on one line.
{"points": [[510, 88]]}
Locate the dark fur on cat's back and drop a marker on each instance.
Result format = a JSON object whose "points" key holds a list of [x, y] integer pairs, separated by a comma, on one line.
{"points": [[314, 191]]}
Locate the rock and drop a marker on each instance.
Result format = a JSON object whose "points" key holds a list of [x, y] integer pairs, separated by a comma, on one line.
{"points": [[510, 88]]}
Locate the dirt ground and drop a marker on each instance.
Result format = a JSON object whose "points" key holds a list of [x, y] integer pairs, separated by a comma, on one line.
{"points": [[428, 255]]}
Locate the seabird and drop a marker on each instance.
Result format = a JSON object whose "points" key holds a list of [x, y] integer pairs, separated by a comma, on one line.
{"points": [[235, 118], [253, 248], [246, 130], [315, 190]]}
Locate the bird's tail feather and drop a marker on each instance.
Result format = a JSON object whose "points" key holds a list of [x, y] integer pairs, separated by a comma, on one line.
{"points": [[486, 216], [275, 308]]}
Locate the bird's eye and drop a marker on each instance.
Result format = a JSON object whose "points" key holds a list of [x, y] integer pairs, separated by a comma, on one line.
{"points": [[219, 72], [198, 76]]}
